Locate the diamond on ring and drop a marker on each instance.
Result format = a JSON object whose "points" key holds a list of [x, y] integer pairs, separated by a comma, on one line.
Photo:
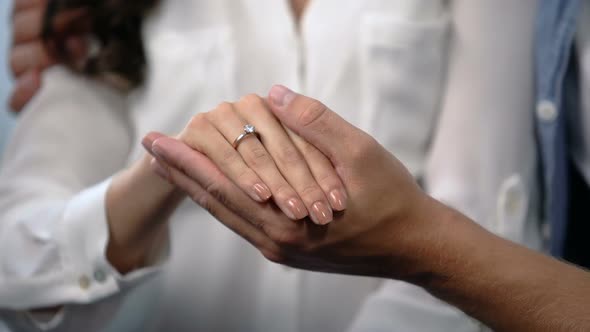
{"points": [[248, 131]]}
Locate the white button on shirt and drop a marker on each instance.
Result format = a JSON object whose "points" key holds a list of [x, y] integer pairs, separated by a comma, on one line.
{"points": [[381, 64], [547, 111], [84, 282]]}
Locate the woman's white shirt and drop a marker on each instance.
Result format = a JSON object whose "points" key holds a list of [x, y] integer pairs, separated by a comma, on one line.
{"points": [[379, 63]]}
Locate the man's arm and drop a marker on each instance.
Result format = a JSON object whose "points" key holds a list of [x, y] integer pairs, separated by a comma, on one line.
{"points": [[505, 285], [390, 229]]}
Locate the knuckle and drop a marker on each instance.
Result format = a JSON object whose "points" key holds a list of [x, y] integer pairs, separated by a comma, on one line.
{"points": [[221, 113], [245, 176], [251, 99], [283, 191], [288, 239], [274, 255], [362, 149], [215, 190], [314, 112], [289, 155], [229, 157], [258, 157], [198, 122], [310, 190], [224, 107], [310, 151], [258, 224], [202, 200], [253, 103], [327, 177], [329, 180]]}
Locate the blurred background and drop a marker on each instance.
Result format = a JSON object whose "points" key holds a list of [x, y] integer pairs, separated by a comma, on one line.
{"points": [[6, 119], [5, 81]]}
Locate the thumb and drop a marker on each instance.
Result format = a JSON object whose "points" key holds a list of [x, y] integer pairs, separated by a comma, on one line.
{"points": [[314, 122]]}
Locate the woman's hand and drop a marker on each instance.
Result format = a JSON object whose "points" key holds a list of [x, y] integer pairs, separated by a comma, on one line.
{"points": [[274, 162]]}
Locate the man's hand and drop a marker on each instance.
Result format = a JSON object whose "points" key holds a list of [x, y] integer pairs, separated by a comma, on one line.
{"points": [[380, 232], [390, 229], [29, 57]]}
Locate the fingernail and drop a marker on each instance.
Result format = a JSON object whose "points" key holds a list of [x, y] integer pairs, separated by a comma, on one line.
{"points": [[159, 168], [295, 209], [281, 96], [148, 142], [338, 200], [261, 193], [158, 153], [147, 145], [321, 214]]}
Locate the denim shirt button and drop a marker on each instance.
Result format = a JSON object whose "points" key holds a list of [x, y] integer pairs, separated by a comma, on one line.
{"points": [[100, 276], [547, 111]]}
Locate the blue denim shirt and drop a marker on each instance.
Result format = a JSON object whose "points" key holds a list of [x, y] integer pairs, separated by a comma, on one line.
{"points": [[556, 27]]}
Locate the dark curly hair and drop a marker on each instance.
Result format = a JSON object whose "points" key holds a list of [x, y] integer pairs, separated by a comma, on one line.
{"points": [[114, 29]]}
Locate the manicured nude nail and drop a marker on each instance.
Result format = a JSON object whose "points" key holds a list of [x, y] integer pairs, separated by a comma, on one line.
{"points": [[321, 214], [261, 193], [295, 209], [147, 145], [158, 153], [338, 200]]}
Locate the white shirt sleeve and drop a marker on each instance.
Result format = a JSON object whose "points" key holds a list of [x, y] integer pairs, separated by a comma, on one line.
{"points": [[489, 75], [56, 169], [485, 131]]}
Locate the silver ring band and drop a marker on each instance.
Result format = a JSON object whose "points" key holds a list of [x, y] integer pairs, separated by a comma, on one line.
{"points": [[248, 131]]}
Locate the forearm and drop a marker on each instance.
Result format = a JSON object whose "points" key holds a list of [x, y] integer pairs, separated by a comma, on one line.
{"points": [[506, 286], [138, 204]]}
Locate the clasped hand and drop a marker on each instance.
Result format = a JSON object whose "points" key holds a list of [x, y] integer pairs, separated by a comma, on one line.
{"points": [[307, 160]]}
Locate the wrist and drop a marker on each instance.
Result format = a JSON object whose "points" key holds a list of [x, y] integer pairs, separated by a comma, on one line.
{"points": [[138, 204], [421, 249], [452, 249]]}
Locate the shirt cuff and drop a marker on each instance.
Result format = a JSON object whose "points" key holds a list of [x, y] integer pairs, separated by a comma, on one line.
{"points": [[85, 275], [84, 237]]}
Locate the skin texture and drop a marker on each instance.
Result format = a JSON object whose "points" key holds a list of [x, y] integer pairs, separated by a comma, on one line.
{"points": [[282, 167], [390, 229]]}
